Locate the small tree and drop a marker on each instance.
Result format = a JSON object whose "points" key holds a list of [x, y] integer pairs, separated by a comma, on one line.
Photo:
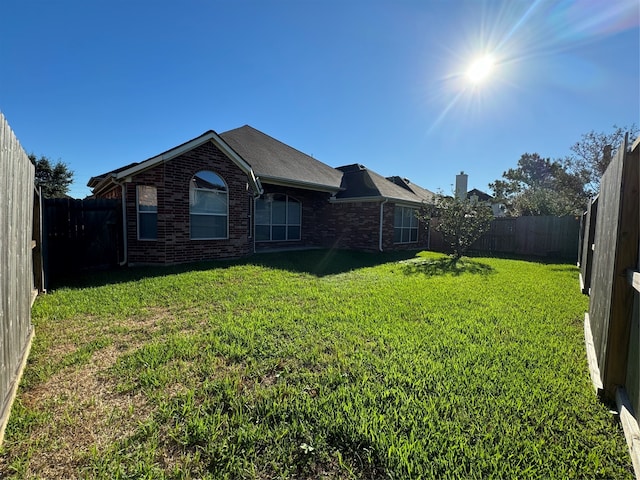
{"points": [[461, 221], [54, 179]]}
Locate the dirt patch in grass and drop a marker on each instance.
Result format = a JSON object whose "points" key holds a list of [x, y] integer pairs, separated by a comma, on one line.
{"points": [[90, 415]]}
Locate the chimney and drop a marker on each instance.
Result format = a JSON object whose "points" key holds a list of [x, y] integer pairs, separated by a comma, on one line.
{"points": [[461, 185]]}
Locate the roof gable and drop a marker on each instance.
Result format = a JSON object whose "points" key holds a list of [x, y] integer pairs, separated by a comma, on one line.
{"points": [[278, 163], [107, 180], [482, 196]]}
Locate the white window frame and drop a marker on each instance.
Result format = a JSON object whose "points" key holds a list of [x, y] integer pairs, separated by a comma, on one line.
{"points": [[286, 225], [226, 214], [143, 212], [402, 227]]}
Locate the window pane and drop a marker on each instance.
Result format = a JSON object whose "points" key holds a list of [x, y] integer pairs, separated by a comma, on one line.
{"points": [[407, 213], [208, 226], [293, 233], [148, 226], [414, 219], [279, 212], [405, 235], [397, 235], [204, 201], [263, 212], [209, 181], [397, 219], [294, 212], [263, 232], [414, 234], [147, 199], [278, 232], [280, 215]]}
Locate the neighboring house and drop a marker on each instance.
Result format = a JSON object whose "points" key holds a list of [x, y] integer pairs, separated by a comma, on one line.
{"points": [[497, 208], [228, 195]]}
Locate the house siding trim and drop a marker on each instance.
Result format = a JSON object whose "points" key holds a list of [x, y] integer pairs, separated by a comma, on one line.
{"points": [[284, 182]]}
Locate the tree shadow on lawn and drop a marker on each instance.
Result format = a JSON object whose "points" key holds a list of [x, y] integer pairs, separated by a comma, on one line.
{"points": [[445, 266], [317, 262]]}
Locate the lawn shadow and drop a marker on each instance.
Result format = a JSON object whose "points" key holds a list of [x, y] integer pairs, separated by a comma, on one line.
{"points": [[323, 262], [445, 266], [317, 262]]}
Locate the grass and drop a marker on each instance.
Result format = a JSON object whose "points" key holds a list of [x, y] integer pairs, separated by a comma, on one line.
{"points": [[314, 365]]}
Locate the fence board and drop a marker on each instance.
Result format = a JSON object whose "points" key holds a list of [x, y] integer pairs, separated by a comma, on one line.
{"points": [[81, 234], [615, 250], [16, 276], [586, 257], [551, 237]]}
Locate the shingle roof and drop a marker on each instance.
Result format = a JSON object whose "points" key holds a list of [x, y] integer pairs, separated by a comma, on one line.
{"points": [[423, 193], [360, 182], [482, 196], [93, 181], [275, 162]]}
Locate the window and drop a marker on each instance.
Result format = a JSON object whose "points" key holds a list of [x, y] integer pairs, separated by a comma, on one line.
{"points": [[278, 218], [208, 206], [147, 212], [405, 225]]}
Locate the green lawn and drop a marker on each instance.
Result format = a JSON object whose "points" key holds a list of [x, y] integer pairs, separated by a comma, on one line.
{"points": [[314, 365]]}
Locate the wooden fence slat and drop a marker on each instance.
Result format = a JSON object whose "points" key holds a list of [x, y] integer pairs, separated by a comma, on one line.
{"points": [[16, 274], [81, 234]]}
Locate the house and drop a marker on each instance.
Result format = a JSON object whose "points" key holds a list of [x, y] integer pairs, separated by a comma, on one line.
{"points": [[228, 195], [474, 194]]}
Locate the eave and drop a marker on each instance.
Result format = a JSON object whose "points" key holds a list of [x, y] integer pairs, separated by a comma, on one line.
{"points": [[286, 182]]}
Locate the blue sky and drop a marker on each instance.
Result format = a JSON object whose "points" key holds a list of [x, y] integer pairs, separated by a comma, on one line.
{"points": [[100, 84]]}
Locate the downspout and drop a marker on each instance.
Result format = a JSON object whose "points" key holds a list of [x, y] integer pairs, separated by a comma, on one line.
{"points": [[381, 223], [256, 195]]}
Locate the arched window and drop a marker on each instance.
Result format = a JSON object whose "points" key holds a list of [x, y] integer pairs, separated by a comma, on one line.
{"points": [[278, 217], [208, 206]]}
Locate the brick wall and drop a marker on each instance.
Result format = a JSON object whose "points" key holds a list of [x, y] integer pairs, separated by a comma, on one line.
{"points": [[171, 179], [356, 225], [315, 210]]}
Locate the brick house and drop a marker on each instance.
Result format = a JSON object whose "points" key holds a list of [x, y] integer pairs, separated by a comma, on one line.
{"points": [[231, 194]]}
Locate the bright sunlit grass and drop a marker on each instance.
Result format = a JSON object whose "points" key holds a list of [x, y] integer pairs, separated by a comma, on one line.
{"points": [[315, 365]]}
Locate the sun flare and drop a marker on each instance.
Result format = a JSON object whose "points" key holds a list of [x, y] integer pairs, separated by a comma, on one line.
{"points": [[480, 69]]}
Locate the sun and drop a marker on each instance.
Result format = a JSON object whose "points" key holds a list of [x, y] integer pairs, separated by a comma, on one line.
{"points": [[480, 69]]}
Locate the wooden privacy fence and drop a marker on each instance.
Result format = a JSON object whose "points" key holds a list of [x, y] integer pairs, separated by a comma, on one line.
{"points": [[81, 235], [553, 237], [610, 274], [16, 274]]}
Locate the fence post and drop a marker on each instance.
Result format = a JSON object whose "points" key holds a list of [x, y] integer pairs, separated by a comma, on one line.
{"points": [[38, 263]]}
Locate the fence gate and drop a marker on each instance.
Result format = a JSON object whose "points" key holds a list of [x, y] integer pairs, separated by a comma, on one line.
{"points": [[81, 235]]}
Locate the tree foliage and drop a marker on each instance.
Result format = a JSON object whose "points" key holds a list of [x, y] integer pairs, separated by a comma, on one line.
{"points": [[590, 156], [55, 179], [460, 221], [541, 186]]}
